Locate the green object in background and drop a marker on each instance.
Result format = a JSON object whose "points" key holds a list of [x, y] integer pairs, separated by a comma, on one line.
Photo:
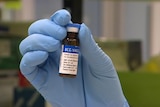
{"points": [[117, 51], [9, 44], [9, 51], [17, 28], [13, 4], [142, 89], [153, 65]]}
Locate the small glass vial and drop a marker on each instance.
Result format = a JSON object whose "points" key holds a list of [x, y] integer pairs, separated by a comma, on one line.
{"points": [[70, 52]]}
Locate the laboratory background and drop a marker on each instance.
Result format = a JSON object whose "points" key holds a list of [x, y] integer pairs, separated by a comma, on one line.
{"points": [[127, 30]]}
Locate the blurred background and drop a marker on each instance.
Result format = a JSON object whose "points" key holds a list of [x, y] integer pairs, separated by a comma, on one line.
{"points": [[127, 30]]}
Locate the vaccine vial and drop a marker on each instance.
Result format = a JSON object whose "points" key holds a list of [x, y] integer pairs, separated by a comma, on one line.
{"points": [[70, 52]]}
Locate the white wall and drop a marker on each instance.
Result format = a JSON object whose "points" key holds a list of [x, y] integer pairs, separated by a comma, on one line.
{"points": [[45, 8], [120, 20], [38, 9], [137, 25], [155, 29], [100, 17], [92, 16], [27, 11]]}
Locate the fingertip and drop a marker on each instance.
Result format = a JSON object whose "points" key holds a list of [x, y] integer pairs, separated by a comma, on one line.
{"points": [[33, 58], [40, 26], [21, 47], [47, 27], [38, 42], [61, 17], [29, 66]]}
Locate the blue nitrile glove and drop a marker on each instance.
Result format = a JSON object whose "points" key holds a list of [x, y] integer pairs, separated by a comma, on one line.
{"points": [[96, 84]]}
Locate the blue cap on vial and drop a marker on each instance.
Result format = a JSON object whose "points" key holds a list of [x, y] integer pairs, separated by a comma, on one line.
{"points": [[73, 27]]}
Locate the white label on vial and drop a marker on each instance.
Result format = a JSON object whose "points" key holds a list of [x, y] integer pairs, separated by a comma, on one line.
{"points": [[69, 60]]}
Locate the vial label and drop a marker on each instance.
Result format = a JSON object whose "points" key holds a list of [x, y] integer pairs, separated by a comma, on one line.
{"points": [[69, 59]]}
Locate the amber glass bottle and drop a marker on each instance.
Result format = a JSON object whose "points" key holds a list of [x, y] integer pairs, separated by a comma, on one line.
{"points": [[70, 52]]}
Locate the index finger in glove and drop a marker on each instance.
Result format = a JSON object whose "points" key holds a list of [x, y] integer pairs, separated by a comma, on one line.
{"points": [[55, 26], [29, 63], [39, 42]]}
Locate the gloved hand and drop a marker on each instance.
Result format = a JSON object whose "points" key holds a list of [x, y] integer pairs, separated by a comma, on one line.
{"points": [[96, 84]]}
